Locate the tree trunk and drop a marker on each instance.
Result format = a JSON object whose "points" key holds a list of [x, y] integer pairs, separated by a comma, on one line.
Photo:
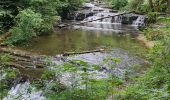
{"points": [[151, 5], [168, 6]]}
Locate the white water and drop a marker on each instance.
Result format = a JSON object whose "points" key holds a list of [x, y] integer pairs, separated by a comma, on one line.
{"points": [[105, 12], [140, 21], [24, 91]]}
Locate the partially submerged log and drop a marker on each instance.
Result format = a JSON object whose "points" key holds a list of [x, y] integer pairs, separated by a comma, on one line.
{"points": [[15, 52], [84, 52]]}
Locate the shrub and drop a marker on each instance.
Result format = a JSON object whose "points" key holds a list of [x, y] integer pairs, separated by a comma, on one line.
{"points": [[118, 4], [152, 17], [27, 23], [18, 15], [155, 84]]}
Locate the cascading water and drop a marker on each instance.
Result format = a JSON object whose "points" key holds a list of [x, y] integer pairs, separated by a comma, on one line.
{"points": [[24, 91], [139, 21], [117, 19], [105, 12], [75, 16]]}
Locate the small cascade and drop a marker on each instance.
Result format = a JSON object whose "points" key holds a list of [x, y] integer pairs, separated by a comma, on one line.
{"points": [[24, 91], [92, 18], [75, 16], [103, 12], [117, 19], [89, 5], [97, 14], [107, 20], [139, 21]]}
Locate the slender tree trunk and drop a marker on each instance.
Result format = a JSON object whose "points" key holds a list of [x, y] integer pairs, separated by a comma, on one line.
{"points": [[168, 6], [151, 5]]}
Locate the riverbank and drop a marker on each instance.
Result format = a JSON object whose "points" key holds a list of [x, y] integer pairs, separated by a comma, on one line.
{"points": [[71, 72], [148, 43], [85, 71], [154, 84]]}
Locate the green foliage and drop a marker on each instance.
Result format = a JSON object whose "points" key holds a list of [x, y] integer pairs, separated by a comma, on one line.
{"points": [[7, 74], [45, 13], [98, 91], [155, 84], [5, 58], [152, 17], [146, 6], [7, 14], [53, 89], [165, 20], [118, 4], [137, 5], [83, 85], [157, 34], [27, 23], [48, 75]]}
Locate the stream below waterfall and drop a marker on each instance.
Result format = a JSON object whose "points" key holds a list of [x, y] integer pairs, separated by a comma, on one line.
{"points": [[117, 39], [108, 33]]}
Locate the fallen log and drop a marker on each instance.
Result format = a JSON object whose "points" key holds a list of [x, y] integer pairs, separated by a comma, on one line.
{"points": [[13, 65], [15, 52], [84, 52], [21, 59]]}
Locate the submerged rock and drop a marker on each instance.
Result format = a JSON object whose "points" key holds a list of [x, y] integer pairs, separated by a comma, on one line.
{"points": [[127, 61], [107, 62]]}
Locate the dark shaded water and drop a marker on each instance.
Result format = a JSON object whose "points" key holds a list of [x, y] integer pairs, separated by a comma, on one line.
{"points": [[88, 37]]}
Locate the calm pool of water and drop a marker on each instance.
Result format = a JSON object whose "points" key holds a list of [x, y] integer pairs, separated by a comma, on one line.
{"points": [[88, 37]]}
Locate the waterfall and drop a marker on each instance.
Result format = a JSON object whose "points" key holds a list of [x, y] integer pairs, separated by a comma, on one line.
{"points": [[117, 19], [139, 21], [127, 19], [75, 16], [24, 91], [102, 12], [89, 5]]}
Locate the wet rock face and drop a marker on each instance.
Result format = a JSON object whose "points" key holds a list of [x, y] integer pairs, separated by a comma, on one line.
{"points": [[79, 16], [128, 19], [91, 12]]}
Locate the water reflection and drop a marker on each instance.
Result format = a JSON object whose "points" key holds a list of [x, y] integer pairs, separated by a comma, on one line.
{"points": [[89, 37]]}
